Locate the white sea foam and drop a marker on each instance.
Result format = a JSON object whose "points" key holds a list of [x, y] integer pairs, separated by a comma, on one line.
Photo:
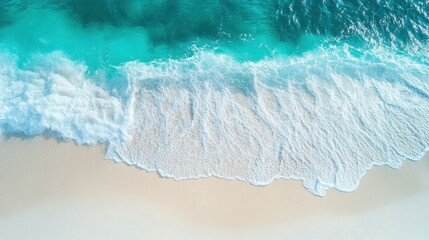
{"points": [[52, 93], [324, 118]]}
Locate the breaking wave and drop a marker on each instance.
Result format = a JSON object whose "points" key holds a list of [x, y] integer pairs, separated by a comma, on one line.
{"points": [[325, 117]]}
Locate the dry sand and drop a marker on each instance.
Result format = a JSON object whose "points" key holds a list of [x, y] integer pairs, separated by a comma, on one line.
{"points": [[51, 190]]}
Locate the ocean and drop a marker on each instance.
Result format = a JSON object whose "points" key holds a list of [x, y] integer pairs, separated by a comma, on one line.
{"points": [[251, 90]]}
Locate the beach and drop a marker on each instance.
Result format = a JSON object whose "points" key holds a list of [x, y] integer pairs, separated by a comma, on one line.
{"points": [[57, 190], [197, 119]]}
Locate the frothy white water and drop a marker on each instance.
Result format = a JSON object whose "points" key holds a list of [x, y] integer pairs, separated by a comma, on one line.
{"points": [[52, 93], [324, 118]]}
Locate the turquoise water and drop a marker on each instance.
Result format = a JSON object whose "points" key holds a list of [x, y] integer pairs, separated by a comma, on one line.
{"points": [[318, 91]]}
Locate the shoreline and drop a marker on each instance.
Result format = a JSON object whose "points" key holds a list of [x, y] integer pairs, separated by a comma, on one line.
{"points": [[38, 173]]}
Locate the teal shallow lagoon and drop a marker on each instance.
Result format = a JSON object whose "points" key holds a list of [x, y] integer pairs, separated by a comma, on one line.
{"points": [[252, 90]]}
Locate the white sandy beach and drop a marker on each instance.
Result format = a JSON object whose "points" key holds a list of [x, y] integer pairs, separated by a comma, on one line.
{"points": [[51, 190]]}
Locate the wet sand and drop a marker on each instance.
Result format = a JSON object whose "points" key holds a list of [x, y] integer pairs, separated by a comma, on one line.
{"points": [[51, 190]]}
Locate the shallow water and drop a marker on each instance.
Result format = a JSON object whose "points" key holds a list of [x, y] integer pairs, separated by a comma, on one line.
{"points": [[251, 90]]}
